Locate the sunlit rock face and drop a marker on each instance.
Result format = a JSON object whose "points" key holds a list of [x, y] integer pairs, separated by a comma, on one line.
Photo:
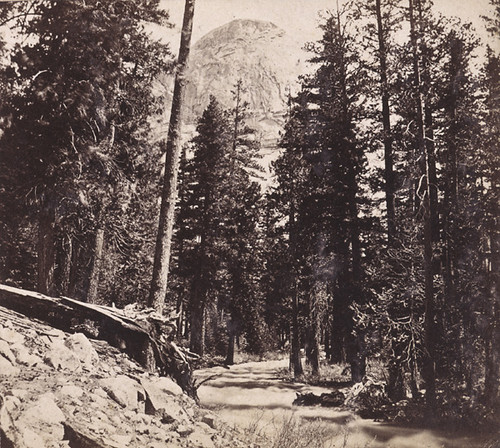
{"points": [[259, 53], [263, 56]]}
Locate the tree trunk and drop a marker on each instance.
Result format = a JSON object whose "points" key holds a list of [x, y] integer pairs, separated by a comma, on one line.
{"points": [[337, 330], [358, 359], [295, 360], [46, 249], [169, 193], [395, 382], [386, 121], [64, 265], [431, 167], [429, 331], [75, 254], [231, 330], [95, 270], [198, 327], [314, 330], [135, 336], [492, 343]]}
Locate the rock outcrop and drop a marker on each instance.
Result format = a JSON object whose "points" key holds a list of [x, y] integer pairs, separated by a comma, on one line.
{"points": [[65, 390], [263, 56]]}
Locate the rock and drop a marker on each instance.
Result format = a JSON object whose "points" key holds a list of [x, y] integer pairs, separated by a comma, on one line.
{"points": [[184, 430], [71, 390], [205, 428], [209, 419], [306, 399], [142, 429], [19, 393], [11, 336], [159, 402], [61, 357], [99, 400], [42, 421], [116, 420], [199, 439], [167, 385], [162, 385], [6, 367], [31, 439], [24, 357], [83, 350], [45, 411], [123, 390], [11, 403], [118, 441], [155, 445], [6, 352]]}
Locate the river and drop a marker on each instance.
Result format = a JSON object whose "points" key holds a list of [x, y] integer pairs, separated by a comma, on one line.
{"points": [[251, 395]]}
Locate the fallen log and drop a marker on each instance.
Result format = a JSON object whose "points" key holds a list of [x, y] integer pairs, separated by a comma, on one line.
{"points": [[332, 399], [145, 337]]}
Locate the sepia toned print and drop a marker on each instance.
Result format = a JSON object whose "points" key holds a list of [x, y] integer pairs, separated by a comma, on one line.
{"points": [[235, 223]]}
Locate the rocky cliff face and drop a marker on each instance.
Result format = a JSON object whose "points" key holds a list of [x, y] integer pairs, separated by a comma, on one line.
{"points": [[259, 53], [263, 56]]}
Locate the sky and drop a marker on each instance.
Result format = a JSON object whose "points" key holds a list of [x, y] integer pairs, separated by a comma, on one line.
{"points": [[299, 17]]}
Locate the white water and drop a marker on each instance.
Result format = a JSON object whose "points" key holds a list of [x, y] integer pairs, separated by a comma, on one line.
{"points": [[252, 396]]}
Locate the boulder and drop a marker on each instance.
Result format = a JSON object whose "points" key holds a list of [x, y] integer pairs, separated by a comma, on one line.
{"points": [[199, 439], [70, 390], [118, 440], [11, 336], [159, 403], [6, 367], [83, 350], [210, 420], [164, 384], [24, 357], [6, 352], [333, 399], [42, 423], [61, 357], [124, 390]]}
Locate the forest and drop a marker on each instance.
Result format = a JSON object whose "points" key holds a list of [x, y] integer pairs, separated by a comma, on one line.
{"points": [[377, 240]]}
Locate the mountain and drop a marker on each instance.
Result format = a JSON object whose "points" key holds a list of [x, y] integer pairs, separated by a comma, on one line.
{"points": [[263, 56]]}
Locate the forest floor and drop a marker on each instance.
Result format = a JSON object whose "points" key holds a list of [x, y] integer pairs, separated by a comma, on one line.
{"points": [[255, 397]]}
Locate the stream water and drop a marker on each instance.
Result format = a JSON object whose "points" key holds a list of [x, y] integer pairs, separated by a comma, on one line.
{"points": [[251, 395]]}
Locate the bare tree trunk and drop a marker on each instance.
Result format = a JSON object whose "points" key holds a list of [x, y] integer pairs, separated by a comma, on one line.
{"points": [[169, 193], [65, 258], [428, 371], [295, 361], [198, 327], [386, 121], [96, 265], [231, 329], [314, 330], [46, 249], [75, 254], [492, 343]]}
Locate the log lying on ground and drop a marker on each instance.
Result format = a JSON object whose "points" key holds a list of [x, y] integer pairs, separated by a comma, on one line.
{"points": [[333, 399], [146, 337]]}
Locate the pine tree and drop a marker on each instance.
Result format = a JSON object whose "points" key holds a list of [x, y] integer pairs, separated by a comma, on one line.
{"points": [[78, 120], [173, 150]]}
